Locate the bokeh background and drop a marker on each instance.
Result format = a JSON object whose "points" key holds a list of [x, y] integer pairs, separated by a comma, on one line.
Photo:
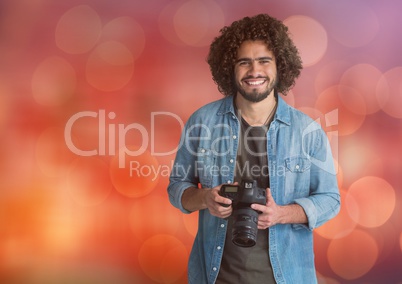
{"points": [[93, 97]]}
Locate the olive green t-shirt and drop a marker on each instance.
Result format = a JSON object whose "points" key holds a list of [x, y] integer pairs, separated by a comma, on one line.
{"points": [[249, 264]]}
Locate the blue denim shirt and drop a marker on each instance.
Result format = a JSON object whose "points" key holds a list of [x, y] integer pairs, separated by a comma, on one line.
{"points": [[301, 171]]}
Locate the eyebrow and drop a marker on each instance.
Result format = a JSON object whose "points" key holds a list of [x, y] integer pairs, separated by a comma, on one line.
{"points": [[253, 59]]}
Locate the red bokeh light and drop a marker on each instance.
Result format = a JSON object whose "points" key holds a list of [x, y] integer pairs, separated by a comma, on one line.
{"points": [[137, 176], [354, 255], [163, 258], [375, 200], [70, 211]]}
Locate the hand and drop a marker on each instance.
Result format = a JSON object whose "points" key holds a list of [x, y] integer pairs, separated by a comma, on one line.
{"points": [[270, 215], [214, 203]]}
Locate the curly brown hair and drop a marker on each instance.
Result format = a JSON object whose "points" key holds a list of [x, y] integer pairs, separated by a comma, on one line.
{"points": [[223, 51]]}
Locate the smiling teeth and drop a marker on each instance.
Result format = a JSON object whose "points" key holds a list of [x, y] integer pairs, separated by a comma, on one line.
{"points": [[256, 83]]}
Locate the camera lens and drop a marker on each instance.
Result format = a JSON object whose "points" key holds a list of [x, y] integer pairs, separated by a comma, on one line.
{"points": [[244, 232]]}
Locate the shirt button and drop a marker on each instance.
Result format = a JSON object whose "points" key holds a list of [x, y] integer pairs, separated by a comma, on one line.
{"points": [[234, 136], [219, 247], [202, 150], [214, 269], [229, 181], [222, 225], [231, 161], [297, 167]]}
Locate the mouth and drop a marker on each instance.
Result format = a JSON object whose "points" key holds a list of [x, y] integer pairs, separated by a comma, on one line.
{"points": [[255, 82]]}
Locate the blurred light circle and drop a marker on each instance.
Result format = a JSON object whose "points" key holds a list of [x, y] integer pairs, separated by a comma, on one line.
{"points": [[348, 103], [313, 113], [110, 66], [78, 30], [359, 159], [60, 235], [389, 92], [329, 75], [53, 82], [386, 237], [163, 258], [195, 22], [4, 103], [139, 173], [195, 19], [341, 225], [191, 223], [400, 241], [326, 280], [352, 256], [352, 23], [352, 100], [162, 217], [126, 31], [178, 79], [309, 36], [364, 79], [52, 155], [88, 181], [375, 198]]}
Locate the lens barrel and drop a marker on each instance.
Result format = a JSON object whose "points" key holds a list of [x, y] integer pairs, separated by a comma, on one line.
{"points": [[244, 231]]}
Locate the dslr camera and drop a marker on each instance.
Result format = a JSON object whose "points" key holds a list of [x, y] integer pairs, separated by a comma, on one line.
{"points": [[244, 230]]}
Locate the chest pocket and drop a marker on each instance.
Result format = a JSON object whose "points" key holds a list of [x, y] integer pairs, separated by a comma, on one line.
{"points": [[297, 177]]}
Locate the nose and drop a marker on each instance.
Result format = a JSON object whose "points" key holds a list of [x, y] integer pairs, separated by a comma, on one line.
{"points": [[254, 68]]}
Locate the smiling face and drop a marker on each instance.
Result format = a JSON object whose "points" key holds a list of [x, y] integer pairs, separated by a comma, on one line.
{"points": [[255, 71]]}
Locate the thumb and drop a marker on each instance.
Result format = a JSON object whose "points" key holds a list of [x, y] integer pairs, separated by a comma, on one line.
{"points": [[269, 195]]}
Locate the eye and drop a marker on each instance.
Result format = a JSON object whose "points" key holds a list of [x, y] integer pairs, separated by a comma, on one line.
{"points": [[264, 61], [244, 63]]}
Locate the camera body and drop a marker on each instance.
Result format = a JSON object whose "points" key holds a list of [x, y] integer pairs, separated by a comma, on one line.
{"points": [[245, 219], [244, 194]]}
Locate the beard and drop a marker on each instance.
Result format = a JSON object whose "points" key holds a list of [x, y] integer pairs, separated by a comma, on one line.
{"points": [[254, 96]]}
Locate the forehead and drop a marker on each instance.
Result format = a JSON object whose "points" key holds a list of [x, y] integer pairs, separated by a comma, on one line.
{"points": [[253, 49]]}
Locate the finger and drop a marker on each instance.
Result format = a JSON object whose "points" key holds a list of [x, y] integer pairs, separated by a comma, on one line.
{"points": [[259, 207], [223, 201], [225, 212], [262, 225], [269, 196], [220, 211]]}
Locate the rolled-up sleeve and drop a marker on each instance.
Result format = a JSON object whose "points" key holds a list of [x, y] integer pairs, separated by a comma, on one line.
{"points": [[183, 174], [323, 203]]}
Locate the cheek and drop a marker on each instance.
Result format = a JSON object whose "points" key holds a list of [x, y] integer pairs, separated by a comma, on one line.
{"points": [[239, 74], [273, 71]]}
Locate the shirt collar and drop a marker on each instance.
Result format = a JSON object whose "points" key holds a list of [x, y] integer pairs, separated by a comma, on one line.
{"points": [[227, 106], [282, 112]]}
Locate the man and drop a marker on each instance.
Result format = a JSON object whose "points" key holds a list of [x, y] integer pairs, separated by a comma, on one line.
{"points": [[252, 134]]}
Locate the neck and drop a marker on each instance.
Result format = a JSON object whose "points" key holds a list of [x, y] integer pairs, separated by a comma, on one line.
{"points": [[256, 114]]}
